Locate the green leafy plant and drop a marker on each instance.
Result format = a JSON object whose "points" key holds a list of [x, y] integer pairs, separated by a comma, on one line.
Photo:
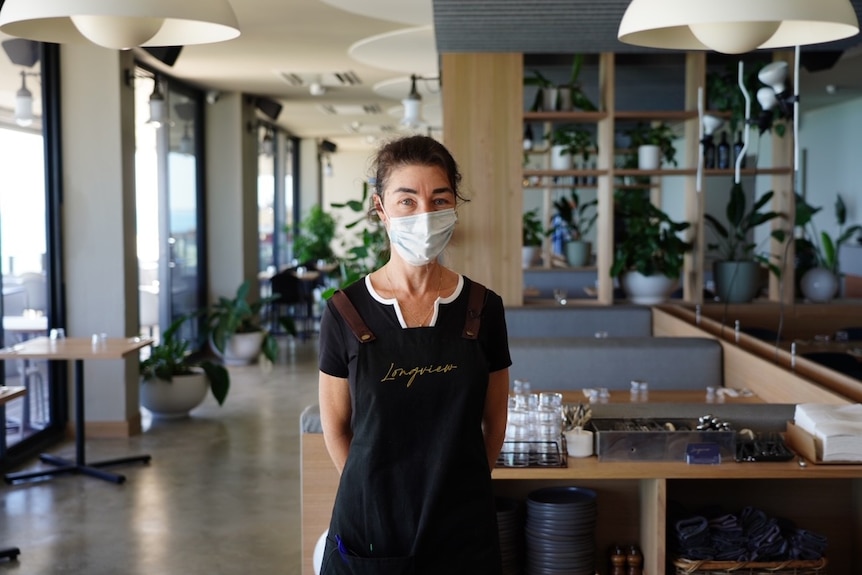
{"points": [[171, 358], [229, 316], [368, 249], [314, 240], [658, 134], [574, 141], [532, 228], [732, 240], [821, 243], [577, 215], [650, 244]]}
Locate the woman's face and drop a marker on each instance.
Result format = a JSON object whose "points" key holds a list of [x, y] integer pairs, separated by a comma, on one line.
{"points": [[416, 189]]}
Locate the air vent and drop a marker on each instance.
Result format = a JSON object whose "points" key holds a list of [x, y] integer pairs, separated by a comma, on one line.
{"points": [[351, 109], [327, 79]]}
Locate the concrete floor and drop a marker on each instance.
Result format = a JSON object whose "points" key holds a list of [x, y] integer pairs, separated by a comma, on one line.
{"points": [[220, 496]]}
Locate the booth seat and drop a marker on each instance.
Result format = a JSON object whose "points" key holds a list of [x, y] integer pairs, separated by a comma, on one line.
{"points": [[579, 321], [575, 363]]}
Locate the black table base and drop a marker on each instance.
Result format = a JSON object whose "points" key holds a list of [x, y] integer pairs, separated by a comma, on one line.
{"points": [[63, 465], [10, 553]]}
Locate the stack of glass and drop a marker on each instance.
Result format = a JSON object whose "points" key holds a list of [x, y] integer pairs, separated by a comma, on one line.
{"points": [[534, 428]]}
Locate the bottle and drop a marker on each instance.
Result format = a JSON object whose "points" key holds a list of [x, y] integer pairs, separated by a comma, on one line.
{"points": [[708, 153], [723, 155], [737, 149]]}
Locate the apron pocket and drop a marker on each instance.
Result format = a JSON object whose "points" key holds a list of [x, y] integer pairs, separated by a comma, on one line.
{"points": [[337, 563]]}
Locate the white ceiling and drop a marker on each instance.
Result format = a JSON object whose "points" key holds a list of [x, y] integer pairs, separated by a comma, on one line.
{"points": [[363, 52]]}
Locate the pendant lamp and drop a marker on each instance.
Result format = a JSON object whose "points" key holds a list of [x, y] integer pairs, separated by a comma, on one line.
{"points": [[736, 26], [120, 24], [412, 106]]}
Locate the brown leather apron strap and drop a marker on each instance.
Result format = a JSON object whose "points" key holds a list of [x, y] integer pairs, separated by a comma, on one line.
{"points": [[347, 310], [474, 311]]}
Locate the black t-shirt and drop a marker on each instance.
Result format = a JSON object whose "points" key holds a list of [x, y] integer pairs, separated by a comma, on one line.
{"points": [[339, 347]]}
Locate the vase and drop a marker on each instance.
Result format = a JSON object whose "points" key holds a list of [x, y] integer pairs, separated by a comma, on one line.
{"points": [[649, 157], [647, 290], [560, 158], [578, 253], [530, 256], [736, 282], [176, 398], [819, 285], [240, 348]]}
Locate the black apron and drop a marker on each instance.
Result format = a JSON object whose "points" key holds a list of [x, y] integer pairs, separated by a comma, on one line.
{"points": [[415, 495]]}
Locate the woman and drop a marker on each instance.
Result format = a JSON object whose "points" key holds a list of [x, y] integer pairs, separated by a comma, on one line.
{"points": [[414, 382]]}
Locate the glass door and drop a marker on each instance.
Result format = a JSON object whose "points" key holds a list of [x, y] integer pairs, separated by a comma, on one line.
{"points": [[169, 206]]}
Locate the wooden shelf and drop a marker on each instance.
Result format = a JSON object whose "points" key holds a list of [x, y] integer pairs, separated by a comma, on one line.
{"points": [[555, 173], [655, 116], [585, 117], [528, 186]]}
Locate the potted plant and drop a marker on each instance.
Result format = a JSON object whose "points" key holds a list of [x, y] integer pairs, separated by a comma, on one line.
{"points": [[579, 221], [648, 259], [570, 141], [314, 240], [532, 235], [568, 96], [174, 380], [654, 143], [819, 283], [234, 328], [737, 271]]}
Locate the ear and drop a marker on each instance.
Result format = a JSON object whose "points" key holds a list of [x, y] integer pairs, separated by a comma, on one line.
{"points": [[378, 206]]}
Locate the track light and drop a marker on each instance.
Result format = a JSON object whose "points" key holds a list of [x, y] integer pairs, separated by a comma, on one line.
{"points": [[24, 103], [267, 143], [187, 142]]}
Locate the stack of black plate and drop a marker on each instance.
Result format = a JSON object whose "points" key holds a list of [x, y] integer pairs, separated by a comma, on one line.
{"points": [[560, 531], [511, 535]]}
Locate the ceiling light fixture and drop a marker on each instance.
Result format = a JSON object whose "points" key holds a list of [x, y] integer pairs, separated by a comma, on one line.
{"points": [[412, 117], [158, 106], [736, 26], [24, 102], [120, 25]]}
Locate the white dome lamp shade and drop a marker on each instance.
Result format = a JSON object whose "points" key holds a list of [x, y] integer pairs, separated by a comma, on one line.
{"points": [[766, 98], [120, 25], [774, 75], [711, 124], [24, 103], [736, 26]]}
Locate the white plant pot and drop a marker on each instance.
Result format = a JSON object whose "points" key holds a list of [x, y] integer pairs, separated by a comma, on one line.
{"points": [[531, 256], [240, 348], [176, 398], [649, 157], [560, 161], [647, 290], [819, 285]]}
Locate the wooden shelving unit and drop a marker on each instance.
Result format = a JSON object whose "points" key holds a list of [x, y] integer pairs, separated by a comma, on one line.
{"points": [[607, 176]]}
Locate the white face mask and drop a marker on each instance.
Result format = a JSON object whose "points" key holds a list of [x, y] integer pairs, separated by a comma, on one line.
{"points": [[419, 239]]}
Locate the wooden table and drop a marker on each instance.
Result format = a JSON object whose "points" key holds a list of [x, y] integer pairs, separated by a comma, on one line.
{"points": [[76, 349], [7, 394]]}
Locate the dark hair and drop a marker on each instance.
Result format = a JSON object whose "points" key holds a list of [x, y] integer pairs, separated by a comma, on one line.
{"points": [[415, 151]]}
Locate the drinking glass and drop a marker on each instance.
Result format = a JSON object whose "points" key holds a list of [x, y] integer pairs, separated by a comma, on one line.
{"points": [[57, 333]]}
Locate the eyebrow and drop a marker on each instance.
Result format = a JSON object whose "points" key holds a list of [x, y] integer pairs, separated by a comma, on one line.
{"points": [[446, 190]]}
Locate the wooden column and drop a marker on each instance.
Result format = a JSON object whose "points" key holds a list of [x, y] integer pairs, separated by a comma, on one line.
{"points": [[784, 202], [483, 102], [605, 194]]}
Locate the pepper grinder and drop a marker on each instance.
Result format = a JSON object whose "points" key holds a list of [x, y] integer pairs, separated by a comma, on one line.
{"points": [[618, 561], [635, 561]]}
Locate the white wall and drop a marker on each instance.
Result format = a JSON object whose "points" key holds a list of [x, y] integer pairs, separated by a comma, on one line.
{"points": [[830, 138], [350, 168]]}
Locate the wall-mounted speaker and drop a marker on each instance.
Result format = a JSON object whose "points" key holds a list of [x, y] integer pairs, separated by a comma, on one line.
{"points": [[328, 147], [22, 52], [165, 54], [269, 108]]}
